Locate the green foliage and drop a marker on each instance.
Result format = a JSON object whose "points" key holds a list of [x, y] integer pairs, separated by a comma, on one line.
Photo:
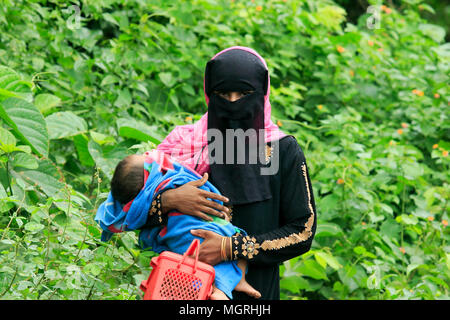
{"points": [[369, 108]]}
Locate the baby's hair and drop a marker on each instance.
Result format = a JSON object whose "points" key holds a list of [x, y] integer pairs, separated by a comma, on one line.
{"points": [[128, 180]]}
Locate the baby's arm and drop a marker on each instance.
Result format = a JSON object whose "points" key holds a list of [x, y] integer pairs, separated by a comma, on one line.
{"points": [[156, 217]]}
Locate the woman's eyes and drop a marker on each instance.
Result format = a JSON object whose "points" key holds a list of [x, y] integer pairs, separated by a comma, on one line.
{"points": [[228, 95]]}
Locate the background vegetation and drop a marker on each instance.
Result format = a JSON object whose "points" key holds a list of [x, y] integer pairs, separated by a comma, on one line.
{"points": [[83, 84]]}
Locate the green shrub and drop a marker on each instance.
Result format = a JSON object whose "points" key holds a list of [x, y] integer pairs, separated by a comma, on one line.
{"points": [[83, 85]]}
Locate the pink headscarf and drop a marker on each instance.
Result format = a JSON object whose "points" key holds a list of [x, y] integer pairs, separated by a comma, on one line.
{"points": [[187, 144]]}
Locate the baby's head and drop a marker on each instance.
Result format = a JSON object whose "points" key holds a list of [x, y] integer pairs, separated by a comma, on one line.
{"points": [[128, 178]]}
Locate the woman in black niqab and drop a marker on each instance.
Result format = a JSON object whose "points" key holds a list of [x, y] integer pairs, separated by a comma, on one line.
{"points": [[238, 153], [277, 211]]}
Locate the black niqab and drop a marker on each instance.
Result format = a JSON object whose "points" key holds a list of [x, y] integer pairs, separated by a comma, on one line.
{"points": [[238, 174]]}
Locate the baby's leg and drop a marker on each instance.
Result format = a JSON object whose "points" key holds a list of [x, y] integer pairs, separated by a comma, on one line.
{"points": [[218, 294], [243, 285]]}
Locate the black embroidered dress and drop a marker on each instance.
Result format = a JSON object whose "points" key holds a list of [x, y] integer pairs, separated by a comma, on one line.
{"points": [[279, 228]]}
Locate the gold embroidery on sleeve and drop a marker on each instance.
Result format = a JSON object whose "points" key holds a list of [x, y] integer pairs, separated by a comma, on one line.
{"points": [[249, 247], [295, 237]]}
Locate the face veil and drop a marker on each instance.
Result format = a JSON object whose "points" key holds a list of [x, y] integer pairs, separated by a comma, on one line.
{"points": [[236, 144]]}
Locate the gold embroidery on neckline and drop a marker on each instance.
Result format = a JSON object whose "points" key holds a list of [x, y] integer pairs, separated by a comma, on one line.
{"points": [[295, 237]]}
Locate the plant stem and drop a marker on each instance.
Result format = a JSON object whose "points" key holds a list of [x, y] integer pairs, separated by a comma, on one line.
{"points": [[90, 291], [12, 218], [8, 177], [68, 215], [403, 198], [81, 246], [10, 284]]}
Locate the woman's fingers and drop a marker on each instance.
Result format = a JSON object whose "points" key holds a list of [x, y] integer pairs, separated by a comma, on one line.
{"points": [[192, 200], [199, 233], [203, 216], [212, 211], [199, 182], [204, 179], [215, 206], [204, 193], [210, 246], [213, 195]]}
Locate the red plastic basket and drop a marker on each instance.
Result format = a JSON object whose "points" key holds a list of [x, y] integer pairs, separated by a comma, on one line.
{"points": [[179, 277]]}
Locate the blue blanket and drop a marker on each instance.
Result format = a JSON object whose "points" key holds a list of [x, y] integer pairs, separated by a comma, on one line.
{"points": [[160, 174]]}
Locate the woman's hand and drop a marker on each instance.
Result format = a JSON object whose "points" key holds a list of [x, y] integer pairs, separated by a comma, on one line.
{"points": [[210, 247], [191, 200]]}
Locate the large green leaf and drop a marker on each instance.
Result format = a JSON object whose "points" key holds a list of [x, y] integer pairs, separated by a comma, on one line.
{"points": [[34, 227], [45, 176], [81, 144], [106, 158], [329, 206], [12, 85], [24, 160], [138, 130], [324, 258], [390, 228], [294, 283], [311, 268], [65, 124], [435, 32], [7, 141], [327, 229], [45, 102], [27, 123]]}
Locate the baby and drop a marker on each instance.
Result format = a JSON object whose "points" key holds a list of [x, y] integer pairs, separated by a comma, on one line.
{"points": [[130, 182]]}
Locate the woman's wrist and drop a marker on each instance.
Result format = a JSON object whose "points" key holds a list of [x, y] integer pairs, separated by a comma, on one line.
{"points": [[227, 249]]}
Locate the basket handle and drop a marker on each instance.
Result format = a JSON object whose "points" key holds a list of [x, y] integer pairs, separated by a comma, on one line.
{"points": [[194, 247]]}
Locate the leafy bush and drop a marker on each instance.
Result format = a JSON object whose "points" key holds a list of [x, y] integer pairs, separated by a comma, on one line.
{"points": [[83, 85]]}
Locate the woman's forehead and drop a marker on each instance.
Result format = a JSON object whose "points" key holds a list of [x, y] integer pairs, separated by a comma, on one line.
{"points": [[235, 70], [237, 61]]}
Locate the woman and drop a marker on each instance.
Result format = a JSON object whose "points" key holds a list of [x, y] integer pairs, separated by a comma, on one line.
{"points": [[272, 198]]}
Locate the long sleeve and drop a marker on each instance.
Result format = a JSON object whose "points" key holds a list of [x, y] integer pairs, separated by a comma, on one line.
{"points": [[297, 216], [155, 216]]}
